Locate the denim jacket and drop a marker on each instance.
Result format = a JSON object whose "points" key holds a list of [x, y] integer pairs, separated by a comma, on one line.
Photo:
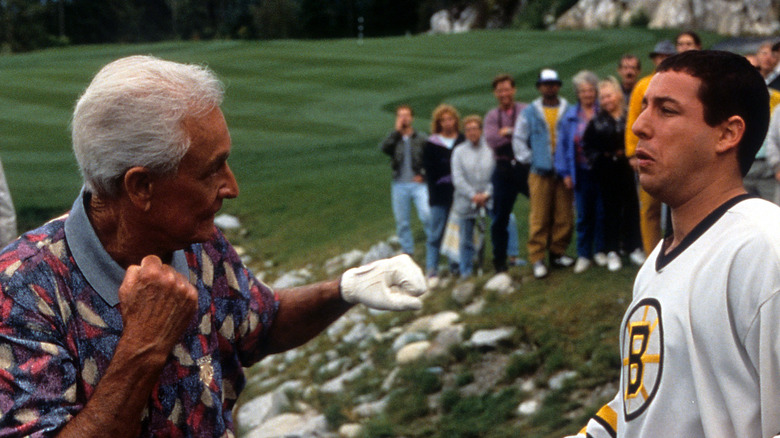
{"points": [[531, 139]]}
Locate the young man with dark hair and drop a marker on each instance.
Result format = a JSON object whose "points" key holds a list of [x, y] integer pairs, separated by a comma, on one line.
{"points": [[551, 216], [699, 343], [405, 147]]}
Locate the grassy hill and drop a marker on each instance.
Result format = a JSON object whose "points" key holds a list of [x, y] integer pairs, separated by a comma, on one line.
{"points": [[305, 116]]}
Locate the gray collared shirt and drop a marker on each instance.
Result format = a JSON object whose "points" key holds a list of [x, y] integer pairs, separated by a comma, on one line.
{"points": [[100, 270]]}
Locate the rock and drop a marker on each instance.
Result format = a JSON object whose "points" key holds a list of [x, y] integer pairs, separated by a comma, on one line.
{"points": [[465, 21], [360, 332], [487, 373], [344, 261], [337, 328], [352, 258], [256, 411], [559, 379], [407, 338], [412, 352], [370, 409], [379, 251], [528, 385], [491, 338], [289, 425], [463, 293], [292, 279], [528, 407], [291, 356], [433, 323], [335, 385], [475, 308], [754, 17], [227, 222], [350, 430], [441, 22], [501, 283], [446, 339], [387, 384], [443, 320], [332, 367], [291, 386]]}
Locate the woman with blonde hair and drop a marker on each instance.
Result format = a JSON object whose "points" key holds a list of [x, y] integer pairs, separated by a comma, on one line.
{"points": [[603, 142], [437, 154], [572, 165]]}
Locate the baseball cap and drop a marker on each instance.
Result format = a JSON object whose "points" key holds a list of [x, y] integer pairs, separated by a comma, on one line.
{"points": [[548, 76], [664, 47]]}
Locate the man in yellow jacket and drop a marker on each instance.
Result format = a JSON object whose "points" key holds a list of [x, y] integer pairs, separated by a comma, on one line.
{"points": [[649, 207]]}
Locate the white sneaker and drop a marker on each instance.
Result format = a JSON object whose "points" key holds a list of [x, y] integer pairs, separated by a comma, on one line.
{"points": [[540, 271], [637, 257], [581, 265], [563, 261], [433, 282], [600, 258], [613, 261]]}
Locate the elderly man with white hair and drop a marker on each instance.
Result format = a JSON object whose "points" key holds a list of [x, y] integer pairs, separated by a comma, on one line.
{"points": [[132, 315]]}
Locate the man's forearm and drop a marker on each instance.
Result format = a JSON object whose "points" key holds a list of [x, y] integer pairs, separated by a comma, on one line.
{"points": [[115, 408], [304, 312]]}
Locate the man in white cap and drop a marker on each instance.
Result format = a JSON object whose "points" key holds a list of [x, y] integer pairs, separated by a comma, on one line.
{"points": [[551, 219]]}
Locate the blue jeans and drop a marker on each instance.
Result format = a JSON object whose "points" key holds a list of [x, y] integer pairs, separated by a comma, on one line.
{"points": [[590, 214], [403, 194], [513, 244], [466, 248], [438, 222]]}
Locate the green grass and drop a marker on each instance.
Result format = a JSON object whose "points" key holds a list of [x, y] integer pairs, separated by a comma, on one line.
{"points": [[305, 117]]}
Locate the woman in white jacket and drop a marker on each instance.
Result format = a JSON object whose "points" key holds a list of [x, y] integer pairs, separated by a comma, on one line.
{"points": [[472, 167]]}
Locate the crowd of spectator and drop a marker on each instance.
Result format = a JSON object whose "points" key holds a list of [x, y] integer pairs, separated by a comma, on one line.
{"points": [[564, 157]]}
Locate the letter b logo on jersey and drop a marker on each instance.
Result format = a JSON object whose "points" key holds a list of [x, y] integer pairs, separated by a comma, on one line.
{"points": [[642, 353]]}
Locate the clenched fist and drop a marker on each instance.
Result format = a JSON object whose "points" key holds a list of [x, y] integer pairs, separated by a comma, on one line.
{"points": [[388, 284], [157, 304]]}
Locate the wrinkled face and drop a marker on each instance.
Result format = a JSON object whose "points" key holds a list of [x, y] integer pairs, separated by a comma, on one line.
{"points": [[675, 143], [629, 71], [586, 94], [608, 98], [183, 205], [404, 117], [473, 132], [686, 42], [505, 94]]}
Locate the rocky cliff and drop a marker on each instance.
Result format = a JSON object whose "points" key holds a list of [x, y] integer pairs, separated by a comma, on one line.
{"points": [[729, 17]]}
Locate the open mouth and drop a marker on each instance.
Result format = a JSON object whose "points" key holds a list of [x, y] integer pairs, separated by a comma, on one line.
{"points": [[642, 155]]}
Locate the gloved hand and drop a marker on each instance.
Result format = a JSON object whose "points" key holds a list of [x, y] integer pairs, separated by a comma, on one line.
{"points": [[387, 284]]}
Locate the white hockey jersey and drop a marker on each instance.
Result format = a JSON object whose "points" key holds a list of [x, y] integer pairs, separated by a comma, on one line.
{"points": [[700, 342]]}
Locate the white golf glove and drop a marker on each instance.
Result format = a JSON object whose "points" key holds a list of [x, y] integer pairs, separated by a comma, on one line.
{"points": [[387, 284]]}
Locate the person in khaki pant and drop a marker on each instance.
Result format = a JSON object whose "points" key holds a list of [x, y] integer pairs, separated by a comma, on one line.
{"points": [[551, 219], [649, 207]]}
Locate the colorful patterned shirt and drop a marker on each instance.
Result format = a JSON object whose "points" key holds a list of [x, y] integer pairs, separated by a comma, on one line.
{"points": [[60, 324]]}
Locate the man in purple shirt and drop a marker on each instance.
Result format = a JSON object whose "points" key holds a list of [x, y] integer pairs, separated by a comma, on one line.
{"points": [[509, 177], [132, 315]]}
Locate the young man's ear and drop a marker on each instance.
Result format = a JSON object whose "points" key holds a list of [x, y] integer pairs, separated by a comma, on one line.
{"points": [[732, 131], [139, 186]]}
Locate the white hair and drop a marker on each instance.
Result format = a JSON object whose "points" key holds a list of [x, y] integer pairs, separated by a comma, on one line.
{"points": [[585, 77], [132, 114]]}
